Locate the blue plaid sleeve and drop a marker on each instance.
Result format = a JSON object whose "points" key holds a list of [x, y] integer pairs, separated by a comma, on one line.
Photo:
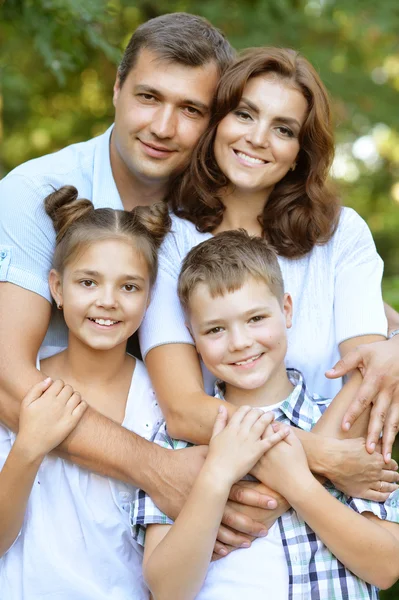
{"points": [[387, 511], [143, 511]]}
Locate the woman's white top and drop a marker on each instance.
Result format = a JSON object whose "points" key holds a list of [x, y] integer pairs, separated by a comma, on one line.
{"points": [[336, 291], [76, 542]]}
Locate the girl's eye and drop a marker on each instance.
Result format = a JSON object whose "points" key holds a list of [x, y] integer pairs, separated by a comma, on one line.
{"points": [[285, 131], [130, 287], [87, 283], [243, 115]]}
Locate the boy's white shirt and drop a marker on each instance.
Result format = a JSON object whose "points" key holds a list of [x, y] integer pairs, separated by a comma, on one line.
{"points": [[76, 540]]}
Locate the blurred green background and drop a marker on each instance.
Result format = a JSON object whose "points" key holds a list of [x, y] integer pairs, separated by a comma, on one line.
{"points": [[57, 68]]}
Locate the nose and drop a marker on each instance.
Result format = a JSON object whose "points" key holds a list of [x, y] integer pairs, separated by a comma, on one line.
{"points": [[258, 135], [239, 339], [163, 126], [106, 298]]}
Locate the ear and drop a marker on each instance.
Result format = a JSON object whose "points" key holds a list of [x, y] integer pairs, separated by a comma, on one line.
{"points": [[55, 284], [287, 310], [117, 89]]}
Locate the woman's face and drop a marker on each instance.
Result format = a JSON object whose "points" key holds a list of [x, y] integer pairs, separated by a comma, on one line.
{"points": [[258, 142]]}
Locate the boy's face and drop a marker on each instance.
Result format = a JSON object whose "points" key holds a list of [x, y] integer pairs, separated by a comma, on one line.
{"points": [[242, 335]]}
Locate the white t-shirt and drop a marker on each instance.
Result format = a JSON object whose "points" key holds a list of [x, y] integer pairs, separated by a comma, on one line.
{"points": [[76, 542], [336, 291]]}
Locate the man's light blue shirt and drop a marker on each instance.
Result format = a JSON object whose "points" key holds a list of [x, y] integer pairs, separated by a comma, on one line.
{"points": [[27, 236]]}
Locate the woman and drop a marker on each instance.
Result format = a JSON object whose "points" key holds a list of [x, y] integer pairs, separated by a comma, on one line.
{"points": [[262, 165]]}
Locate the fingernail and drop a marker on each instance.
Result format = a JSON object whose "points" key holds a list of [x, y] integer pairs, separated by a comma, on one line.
{"points": [[272, 504], [331, 371], [220, 409], [372, 446], [245, 545], [347, 426], [47, 380], [387, 457], [222, 552], [263, 533]]}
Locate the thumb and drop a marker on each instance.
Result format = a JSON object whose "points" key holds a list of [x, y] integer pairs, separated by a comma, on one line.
{"points": [[220, 422], [349, 362]]}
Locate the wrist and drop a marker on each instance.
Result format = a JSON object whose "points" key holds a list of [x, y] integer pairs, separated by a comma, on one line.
{"points": [[217, 475], [299, 487], [26, 453], [324, 461]]}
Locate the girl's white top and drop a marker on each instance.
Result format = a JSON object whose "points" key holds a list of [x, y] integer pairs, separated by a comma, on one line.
{"points": [[336, 291], [76, 542]]}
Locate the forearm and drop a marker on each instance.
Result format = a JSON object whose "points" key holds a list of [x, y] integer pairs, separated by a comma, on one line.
{"points": [[189, 542], [360, 544], [16, 480], [392, 316]]}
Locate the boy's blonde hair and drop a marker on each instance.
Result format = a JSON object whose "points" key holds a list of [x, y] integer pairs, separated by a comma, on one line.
{"points": [[224, 262]]}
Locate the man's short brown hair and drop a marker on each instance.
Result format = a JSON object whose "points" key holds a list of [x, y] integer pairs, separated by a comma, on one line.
{"points": [[178, 37], [223, 263]]}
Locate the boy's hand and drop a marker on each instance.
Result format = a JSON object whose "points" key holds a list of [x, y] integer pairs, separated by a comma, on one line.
{"points": [[235, 447], [49, 412], [284, 462]]}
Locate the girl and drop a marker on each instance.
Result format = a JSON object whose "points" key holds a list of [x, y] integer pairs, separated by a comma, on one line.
{"points": [[67, 530], [263, 165]]}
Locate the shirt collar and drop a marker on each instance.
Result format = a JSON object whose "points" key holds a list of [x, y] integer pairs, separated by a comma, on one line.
{"points": [[105, 192], [301, 408]]}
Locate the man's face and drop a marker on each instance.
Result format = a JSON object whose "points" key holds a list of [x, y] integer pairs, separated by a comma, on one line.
{"points": [[161, 110]]}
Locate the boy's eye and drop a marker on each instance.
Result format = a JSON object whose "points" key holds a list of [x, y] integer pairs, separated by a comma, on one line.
{"points": [[214, 330], [256, 318], [87, 283]]}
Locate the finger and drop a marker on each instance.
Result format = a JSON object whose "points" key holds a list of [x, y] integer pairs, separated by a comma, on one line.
{"points": [[37, 390], [377, 419], [233, 538], [251, 421], [220, 421], [271, 440], [73, 401], [241, 524], [367, 392], [55, 388], [390, 430], [65, 394], [350, 361], [239, 415], [251, 497], [375, 496], [79, 411], [221, 550], [389, 476]]}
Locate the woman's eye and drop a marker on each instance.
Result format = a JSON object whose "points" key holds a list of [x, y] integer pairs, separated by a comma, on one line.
{"points": [[243, 115], [285, 131]]}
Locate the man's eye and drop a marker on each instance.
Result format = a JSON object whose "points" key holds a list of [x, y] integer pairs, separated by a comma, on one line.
{"points": [[147, 97], [192, 111]]}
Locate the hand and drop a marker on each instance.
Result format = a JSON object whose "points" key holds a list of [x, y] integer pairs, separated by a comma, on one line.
{"points": [[49, 412], [235, 447], [379, 364], [359, 474]]}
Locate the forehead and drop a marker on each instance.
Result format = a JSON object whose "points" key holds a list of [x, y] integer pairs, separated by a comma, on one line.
{"points": [[271, 93], [253, 293], [108, 256], [173, 80]]}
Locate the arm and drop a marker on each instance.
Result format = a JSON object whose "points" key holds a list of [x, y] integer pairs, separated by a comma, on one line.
{"points": [[367, 546], [392, 316], [96, 443], [46, 419], [233, 451]]}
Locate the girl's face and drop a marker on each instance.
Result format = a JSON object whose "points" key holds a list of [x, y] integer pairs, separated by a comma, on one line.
{"points": [[258, 142], [104, 293]]}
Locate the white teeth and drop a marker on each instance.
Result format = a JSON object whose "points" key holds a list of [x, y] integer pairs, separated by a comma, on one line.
{"points": [[104, 322], [245, 362], [251, 159]]}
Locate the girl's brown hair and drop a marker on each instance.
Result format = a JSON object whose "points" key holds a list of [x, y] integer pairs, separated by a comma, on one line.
{"points": [[77, 224], [301, 211]]}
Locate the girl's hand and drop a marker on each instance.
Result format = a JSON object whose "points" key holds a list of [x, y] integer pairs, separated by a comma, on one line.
{"points": [[284, 462], [49, 412], [237, 446]]}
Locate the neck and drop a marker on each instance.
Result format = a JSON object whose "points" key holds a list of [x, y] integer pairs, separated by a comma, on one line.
{"points": [[242, 210], [276, 389], [88, 367], [134, 191]]}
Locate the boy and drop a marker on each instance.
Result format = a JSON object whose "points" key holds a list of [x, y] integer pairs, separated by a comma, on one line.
{"points": [[327, 545]]}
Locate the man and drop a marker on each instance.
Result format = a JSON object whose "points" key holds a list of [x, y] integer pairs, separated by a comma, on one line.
{"points": [[162, 97]]}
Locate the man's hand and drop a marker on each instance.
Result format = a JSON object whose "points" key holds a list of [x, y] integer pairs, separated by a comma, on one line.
{"points": [[379, 364], [361, 475]]}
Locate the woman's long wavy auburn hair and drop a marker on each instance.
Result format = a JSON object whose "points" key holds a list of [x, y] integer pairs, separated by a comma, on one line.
{"points": [[301, 211]]}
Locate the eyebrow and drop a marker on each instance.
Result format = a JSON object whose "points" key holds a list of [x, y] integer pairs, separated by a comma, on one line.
{"points": [[287, 120], [88, 273], [248, 313], [151, 90]]}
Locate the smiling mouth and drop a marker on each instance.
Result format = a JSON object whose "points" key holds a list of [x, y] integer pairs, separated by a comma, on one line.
{"points": [[155, 148], [104, 322], [248, 361], [250, 159]]}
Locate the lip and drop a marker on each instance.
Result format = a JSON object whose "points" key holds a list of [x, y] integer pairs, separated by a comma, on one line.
{"points": [[247, 365], [103, 327], [248, 164], [155, 150]]}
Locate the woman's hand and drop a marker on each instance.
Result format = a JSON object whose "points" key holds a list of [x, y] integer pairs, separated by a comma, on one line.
{"points": [[378, 362], [49, 412], [361, 475]]}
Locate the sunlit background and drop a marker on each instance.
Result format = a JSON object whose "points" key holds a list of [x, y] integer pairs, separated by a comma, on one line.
{"points": [[57, 69]]}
